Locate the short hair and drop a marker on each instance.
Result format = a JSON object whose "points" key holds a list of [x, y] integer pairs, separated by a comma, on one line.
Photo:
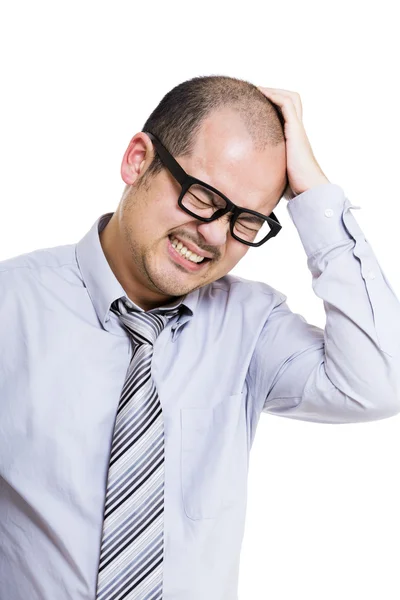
{"points": [[180, 114]]}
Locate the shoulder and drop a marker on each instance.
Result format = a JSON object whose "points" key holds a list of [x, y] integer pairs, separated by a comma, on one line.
{"points": [[30, 268]]}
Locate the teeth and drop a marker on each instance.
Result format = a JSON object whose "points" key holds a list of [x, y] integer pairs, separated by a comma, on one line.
{"points": [[179, 247]]}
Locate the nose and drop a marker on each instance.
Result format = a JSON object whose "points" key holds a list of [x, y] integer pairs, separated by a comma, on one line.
{"points": [[216, 232]]}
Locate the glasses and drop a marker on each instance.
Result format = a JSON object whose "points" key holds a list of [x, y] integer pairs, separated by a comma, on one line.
{"points": [[207, 204]]}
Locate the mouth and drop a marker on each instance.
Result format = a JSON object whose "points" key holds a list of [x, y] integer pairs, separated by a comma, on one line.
{"points": [[179, 259]]}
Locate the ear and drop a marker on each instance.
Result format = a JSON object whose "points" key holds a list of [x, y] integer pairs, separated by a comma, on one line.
{"points": [[137, 158]]}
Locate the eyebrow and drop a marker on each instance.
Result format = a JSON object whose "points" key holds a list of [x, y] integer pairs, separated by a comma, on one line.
{"points": [[249, 217], [210, 194]]}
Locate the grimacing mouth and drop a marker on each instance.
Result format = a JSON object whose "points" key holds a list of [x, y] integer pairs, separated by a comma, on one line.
{"points": [[205, 259]]}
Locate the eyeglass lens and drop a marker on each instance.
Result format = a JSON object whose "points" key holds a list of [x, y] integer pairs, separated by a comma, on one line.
{"points": [[204, 202]]}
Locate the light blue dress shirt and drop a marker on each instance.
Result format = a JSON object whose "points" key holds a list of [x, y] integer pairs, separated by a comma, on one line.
{"points": [[235, 352]]}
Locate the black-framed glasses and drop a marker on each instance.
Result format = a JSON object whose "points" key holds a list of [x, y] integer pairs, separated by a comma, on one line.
{"points": [[206, 203]]}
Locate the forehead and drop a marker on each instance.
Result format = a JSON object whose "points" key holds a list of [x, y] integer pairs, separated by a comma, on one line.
{"points": [[224, 157]]}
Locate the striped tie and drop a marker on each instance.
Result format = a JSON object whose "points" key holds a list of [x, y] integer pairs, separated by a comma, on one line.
{"points": [[132, 544]]}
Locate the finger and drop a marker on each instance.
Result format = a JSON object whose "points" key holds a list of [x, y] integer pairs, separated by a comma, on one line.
{"points": [[281, 96], [292, 94], [290, 111], [278, 96]]}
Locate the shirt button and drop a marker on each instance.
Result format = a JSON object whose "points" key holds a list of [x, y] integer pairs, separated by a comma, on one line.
{"points": [[328, 212], [371, 275]]}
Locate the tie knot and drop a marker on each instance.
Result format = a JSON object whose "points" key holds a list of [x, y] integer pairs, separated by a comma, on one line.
{"points": [[144, 327]]}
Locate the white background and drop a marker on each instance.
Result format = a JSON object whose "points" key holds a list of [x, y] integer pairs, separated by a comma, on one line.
{"points": [[79, 79]]}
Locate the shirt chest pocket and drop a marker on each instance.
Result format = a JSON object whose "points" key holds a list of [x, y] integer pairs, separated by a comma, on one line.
{"points": [[214, 457]]}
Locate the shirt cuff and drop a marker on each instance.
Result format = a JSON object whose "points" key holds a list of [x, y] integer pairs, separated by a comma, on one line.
{"points": [[322, 218]]}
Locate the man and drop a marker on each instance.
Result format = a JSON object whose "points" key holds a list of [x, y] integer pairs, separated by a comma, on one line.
{"points": [[134, 369]]}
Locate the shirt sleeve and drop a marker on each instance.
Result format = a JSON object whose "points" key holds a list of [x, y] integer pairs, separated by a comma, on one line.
{"points": [[350, 371]]}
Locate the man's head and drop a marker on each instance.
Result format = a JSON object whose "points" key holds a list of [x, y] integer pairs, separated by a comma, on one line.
{"points": [[221, 130]]}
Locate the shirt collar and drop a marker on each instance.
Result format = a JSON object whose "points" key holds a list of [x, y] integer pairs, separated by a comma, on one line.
{"points": [[102, 285]]}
